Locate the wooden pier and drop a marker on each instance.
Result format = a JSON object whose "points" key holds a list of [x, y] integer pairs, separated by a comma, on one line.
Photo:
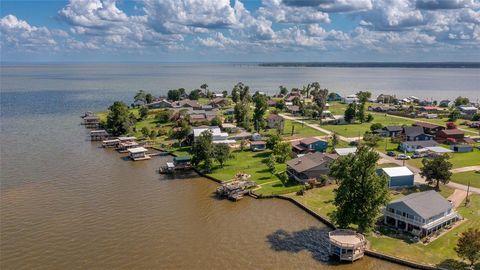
{"points": [[237, 188]]}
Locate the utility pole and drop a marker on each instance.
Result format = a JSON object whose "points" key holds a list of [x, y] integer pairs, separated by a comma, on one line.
{"points": [[466, 199]]}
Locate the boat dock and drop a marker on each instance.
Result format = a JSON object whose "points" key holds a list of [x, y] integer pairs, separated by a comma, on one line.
{"points": [[347, 245], [237, 188], [178, 164]]}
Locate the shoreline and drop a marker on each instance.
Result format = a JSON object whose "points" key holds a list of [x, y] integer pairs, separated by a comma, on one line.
{"points": [[325, 221]]}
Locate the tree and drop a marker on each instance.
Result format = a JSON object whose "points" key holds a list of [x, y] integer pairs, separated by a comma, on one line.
{"points": [[334, 140], [283, 90], [259, 111], [468, 246], [204, 87], [194, 94], [281, 105], [461, 101], [451, 125], [164, 116], [241, 113], [182, 92], [153, 134], [282, 151], [143, 111], [476, 117], [225, 93], [350, 113], [437, 170], [271, 164], [140, 96], [369, 118], [202, 150], [216, 121], [243, 144], [363, 96], [376, 126], [119, 120], [173, 95], [182, 131], [453, 115], [320, 97], [145, 131], [148, 98], [361, 113], [272, 141], [221, 152], [235, 94], [361, 192], [371, 139]]}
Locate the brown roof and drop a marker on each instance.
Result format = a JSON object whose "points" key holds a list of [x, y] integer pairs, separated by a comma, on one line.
{"points": [[257, 142], [274, 117], [427, 125], [452, 132], [309, 140], [293, 108], [217, 100], [310, 161], [186, 103]]}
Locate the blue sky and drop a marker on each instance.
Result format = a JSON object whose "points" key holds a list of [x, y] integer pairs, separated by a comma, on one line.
{"points": [[236, 30]]}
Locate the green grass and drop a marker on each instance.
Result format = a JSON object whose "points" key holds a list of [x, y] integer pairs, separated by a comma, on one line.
{"points": [[436, 252], [358, 129], [300, 130], [466, 177], [319, 200], [278, 187], [387, 165], [458, 160]]}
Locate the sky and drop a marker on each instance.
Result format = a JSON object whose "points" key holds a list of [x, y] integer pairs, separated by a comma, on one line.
{"points": [[239, 30]]}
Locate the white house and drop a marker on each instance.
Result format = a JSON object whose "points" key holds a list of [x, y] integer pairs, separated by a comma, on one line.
{"points": [[350, 99], [217, 135]]}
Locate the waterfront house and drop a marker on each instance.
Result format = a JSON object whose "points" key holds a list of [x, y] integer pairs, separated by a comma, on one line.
{"points": [[462, 148], [345, 151], [275, 121], [445, 103], [421, 213], [124, 146], [467, 111], [412, 146], [398, 176], [451, 136], [416, 133], [138, 153], [186, 103], [159, 104], [217, 135], [219, 102], [429, 128], [350, 99], [257, 146], [99, 135], [334, 97], [310, 166], [310, 144], [382, 98]]}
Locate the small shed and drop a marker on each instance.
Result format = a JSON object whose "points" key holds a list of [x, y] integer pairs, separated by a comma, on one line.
{"points": [[462, 148], [398, 176], [438, 150]]}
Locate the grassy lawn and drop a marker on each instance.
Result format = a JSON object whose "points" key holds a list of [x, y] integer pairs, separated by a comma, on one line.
{"points": [[436, 252], [300, 130], [357, 129], [465, 177], [320, 200], [458, 160]]}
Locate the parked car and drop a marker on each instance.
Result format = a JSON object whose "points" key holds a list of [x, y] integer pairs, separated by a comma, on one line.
{"points": [[419, 155], [391, 153], [403, 157]]}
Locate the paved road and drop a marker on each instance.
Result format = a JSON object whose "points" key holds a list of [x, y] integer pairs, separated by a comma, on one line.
{"points": [[388, 159]]}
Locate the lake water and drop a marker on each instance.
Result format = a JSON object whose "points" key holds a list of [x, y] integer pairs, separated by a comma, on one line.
{"points": [[65, 203]]}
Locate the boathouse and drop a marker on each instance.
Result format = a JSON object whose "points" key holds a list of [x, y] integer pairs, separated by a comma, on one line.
{"points": [[347, 244], [91, 121], [99, 135], [138, 153], [110, 143]]}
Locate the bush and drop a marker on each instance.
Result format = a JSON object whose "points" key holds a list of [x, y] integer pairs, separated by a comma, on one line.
{"points": [[376, 126], [164, 116]]}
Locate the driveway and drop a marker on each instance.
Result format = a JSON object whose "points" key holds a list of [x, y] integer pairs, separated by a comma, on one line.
{"points": [[457, 197]]}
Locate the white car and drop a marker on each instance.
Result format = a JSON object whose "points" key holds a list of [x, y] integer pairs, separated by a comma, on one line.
{"points": [[403, 157]]}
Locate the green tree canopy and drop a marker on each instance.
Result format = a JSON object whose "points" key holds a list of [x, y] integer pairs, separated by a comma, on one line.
{"points": [[461, 101], [350, 113], [282, 151], [173, 94], [221, 152], [141, 95], [143, 111], [361, 192], [202, 150], [259, 111], [437, 170], [119, 119], [468, 246]]}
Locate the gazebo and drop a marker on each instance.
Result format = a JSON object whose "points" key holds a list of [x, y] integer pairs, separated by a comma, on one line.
{"points": [[348, 245]]}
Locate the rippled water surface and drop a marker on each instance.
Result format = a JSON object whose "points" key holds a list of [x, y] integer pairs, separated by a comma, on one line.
{"points": [[65, 203]]}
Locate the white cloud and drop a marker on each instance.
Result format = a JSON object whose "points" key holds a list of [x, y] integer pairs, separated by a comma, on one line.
{"points": [[21, 35], [332, 5], [279, 12]]}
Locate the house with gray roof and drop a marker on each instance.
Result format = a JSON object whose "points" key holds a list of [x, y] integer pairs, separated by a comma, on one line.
{"points": [[416, 133], [421, 213], [310, 166]]}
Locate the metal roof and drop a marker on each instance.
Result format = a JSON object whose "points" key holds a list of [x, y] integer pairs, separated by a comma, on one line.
{"points": [[426, 204], [137, 150], [439, 149], [345, 151], [397, 171]]}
